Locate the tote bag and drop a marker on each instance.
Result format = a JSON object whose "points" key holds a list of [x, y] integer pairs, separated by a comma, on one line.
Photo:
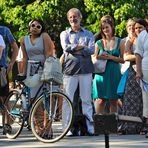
{"points": [[99, 65], [122, 84]]}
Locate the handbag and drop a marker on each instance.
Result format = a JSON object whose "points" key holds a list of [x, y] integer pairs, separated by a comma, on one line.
{"points": [[52, 70], [99, 64], [122, 84], [33, 81]]}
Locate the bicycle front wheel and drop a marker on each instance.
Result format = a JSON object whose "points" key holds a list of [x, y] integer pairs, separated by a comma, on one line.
{"points": [[13, 115], [51, 117]]}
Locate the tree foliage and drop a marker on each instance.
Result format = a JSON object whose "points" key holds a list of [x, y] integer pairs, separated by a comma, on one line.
{"points": [[16, 14], [120, 10]]}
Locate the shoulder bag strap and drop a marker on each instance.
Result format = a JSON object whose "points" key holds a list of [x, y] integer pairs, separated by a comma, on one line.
{"points": [[118, 42], [100, 44]]}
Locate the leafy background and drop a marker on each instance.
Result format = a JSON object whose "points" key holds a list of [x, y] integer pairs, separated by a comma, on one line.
{"points": [[16, 14]]}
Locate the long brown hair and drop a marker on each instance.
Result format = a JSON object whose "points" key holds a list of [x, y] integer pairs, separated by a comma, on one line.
{"points": [[111, 23]]}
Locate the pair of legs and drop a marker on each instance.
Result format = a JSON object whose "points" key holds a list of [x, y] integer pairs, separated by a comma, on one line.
{"points": [[5, 117], [3, 93], [145, 96], [70, 85], [101, 106]]}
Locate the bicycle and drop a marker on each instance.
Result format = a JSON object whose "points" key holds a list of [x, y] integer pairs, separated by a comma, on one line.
{"points": [[49, 121], [48, 125], [17, 107], [16, 111]]}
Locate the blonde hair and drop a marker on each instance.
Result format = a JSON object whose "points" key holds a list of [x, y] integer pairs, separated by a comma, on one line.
{"points": [[130, 21]]}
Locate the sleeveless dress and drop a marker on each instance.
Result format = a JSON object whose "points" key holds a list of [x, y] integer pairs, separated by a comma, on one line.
{"points": [[105, 84], [35, 52], [132, 102]]}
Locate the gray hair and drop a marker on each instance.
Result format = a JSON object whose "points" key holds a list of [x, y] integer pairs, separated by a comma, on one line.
{"points": [[76, 11]]}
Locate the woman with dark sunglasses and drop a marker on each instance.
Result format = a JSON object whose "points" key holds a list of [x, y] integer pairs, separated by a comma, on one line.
{"points": [[36, 46]]}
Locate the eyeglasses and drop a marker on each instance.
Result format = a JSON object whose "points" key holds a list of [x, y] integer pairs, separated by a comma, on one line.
{"points": [[37, 26]]}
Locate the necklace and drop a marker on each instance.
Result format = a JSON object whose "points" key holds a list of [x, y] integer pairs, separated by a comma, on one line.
{"points": [[110, 44]]}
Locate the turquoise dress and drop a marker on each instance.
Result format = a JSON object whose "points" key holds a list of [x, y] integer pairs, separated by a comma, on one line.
{"points": [[105, 84]]}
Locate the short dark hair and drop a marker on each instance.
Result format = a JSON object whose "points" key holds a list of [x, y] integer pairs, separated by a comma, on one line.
{"points": [[141, 22]]}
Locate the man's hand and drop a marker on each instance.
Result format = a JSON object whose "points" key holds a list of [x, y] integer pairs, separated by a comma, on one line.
{"points": [[139, 76], [80, 47]]}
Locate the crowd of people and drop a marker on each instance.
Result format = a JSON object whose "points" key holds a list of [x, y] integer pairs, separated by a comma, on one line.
{"points": [[79, 45]]}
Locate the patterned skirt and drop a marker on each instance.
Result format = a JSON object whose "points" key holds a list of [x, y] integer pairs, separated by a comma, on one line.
{"points": [[132, 104]]}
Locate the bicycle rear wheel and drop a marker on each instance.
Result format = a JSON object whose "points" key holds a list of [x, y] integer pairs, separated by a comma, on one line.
{"points": [[13, 108], [51, 117]]}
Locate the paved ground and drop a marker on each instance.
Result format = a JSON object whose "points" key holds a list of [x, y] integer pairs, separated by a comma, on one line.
{"points": [[27, 140]]}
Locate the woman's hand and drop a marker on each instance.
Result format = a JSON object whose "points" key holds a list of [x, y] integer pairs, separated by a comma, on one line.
{"points": [[139, 76], [106, 56]]}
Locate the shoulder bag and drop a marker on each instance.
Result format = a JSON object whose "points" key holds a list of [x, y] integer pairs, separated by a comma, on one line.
{"points": [[99, 64]]}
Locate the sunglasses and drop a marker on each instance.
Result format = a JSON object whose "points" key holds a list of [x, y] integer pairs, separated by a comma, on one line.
{"points": [[37, 26]]}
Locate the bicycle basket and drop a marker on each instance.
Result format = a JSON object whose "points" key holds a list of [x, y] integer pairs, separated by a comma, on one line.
{"points": [[52, 70]]}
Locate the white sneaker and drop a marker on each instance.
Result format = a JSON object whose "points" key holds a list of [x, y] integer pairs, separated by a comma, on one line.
{"points": [[69, 133]]}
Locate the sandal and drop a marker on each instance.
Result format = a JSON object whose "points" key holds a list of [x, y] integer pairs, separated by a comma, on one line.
{"points": [[143, 132]]}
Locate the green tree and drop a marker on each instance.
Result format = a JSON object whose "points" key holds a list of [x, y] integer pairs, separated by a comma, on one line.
{"points": [[120, 10], [16, 14]]}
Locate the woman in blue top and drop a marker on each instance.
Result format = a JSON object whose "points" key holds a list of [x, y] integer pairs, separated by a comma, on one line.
{"points": [[105, 84]]}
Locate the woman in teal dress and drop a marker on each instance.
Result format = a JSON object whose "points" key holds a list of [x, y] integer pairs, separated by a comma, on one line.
{"points": [[105, 84]]}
